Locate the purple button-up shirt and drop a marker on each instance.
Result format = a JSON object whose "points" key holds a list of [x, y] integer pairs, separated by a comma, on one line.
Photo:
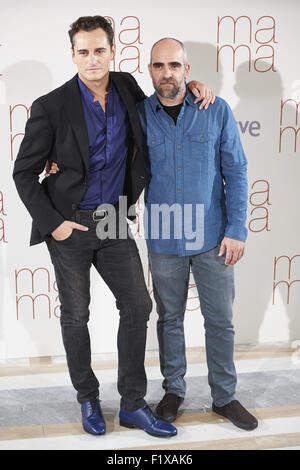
{"points": [[108, 146]]}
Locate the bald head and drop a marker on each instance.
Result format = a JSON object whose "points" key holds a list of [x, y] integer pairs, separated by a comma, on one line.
{"points": [[172, 43], [169, 69]]}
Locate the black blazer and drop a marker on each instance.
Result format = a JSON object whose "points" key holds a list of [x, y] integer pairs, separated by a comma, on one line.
{"points": [[56, 131]]}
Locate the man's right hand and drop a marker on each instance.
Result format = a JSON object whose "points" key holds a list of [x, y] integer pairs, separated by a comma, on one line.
{"points": [[65, 230], [51, 168]]}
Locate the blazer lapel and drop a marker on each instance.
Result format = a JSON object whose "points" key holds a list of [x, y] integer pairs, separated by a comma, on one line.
{"points": [[75, 114], [129, 102], [123, 91]]}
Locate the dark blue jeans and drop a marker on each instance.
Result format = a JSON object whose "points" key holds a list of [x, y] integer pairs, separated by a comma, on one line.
{"points": [[215, 285], [118, 263]]}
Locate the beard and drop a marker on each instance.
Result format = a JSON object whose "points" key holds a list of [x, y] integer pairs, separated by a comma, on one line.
{"points": [[169, 93]]}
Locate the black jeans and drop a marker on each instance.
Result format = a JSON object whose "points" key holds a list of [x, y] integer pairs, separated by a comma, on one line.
{"points": [[118, 263]]}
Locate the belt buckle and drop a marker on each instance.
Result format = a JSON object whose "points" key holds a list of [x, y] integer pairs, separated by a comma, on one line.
{"points": [[100, 217]]}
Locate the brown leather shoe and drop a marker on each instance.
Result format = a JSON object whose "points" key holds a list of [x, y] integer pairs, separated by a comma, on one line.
{"points": [[237, 414], [167, 408]]}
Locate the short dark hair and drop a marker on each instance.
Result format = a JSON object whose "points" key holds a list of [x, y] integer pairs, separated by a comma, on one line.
{"points": [[89, 23]]}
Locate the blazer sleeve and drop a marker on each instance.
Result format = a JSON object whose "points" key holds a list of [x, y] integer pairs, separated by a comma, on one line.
{"points": [[34, 152]]}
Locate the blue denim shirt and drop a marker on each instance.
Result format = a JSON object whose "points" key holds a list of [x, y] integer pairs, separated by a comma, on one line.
{"points": [[198, 164]]}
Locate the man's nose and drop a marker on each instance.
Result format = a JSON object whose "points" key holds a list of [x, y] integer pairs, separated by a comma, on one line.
{"points": [[167, 72], [92, 58]]}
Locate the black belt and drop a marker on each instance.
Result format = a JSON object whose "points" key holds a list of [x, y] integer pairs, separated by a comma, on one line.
{"points": [[99, 215], [94, 215]]}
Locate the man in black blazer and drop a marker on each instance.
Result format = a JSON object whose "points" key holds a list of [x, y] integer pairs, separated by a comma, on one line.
{"points": [[90, 128]]}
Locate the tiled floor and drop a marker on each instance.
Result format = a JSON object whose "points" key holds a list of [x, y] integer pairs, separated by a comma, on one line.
{"points": [[38, 408]]}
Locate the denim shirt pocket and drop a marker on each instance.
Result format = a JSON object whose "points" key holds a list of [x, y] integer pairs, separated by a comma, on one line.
{"points": [[199, 145], [157, 153], [156, 145]]}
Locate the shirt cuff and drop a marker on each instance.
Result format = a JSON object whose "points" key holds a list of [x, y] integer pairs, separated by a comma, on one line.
{"points": [[236, 232]]}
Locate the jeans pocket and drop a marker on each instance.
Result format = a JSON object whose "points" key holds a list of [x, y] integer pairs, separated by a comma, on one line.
{"points": [[65, 240]]}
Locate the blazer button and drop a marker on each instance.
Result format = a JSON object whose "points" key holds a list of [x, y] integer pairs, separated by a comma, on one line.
{"points": [[74, 206]]}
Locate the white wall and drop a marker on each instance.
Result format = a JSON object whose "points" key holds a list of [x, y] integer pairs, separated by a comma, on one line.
{"points": [[35, 58]]}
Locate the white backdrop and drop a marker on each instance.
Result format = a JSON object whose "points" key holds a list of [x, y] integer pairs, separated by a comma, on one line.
{"points": [[253, 63]]}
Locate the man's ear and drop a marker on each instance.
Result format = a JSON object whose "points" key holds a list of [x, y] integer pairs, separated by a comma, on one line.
{"points": [[73, 55], [113, 52], [187, 70]]}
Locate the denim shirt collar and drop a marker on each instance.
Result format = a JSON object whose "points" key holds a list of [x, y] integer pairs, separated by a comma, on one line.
{"points": [[156, 105]]}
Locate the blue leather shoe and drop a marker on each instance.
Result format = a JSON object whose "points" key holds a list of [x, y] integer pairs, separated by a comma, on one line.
{"points": [[92, 417], [143, 418]]}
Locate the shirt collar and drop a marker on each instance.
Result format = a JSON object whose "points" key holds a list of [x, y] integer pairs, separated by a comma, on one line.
{"points": [[156, 105], [189, 97], [86, 92]]}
